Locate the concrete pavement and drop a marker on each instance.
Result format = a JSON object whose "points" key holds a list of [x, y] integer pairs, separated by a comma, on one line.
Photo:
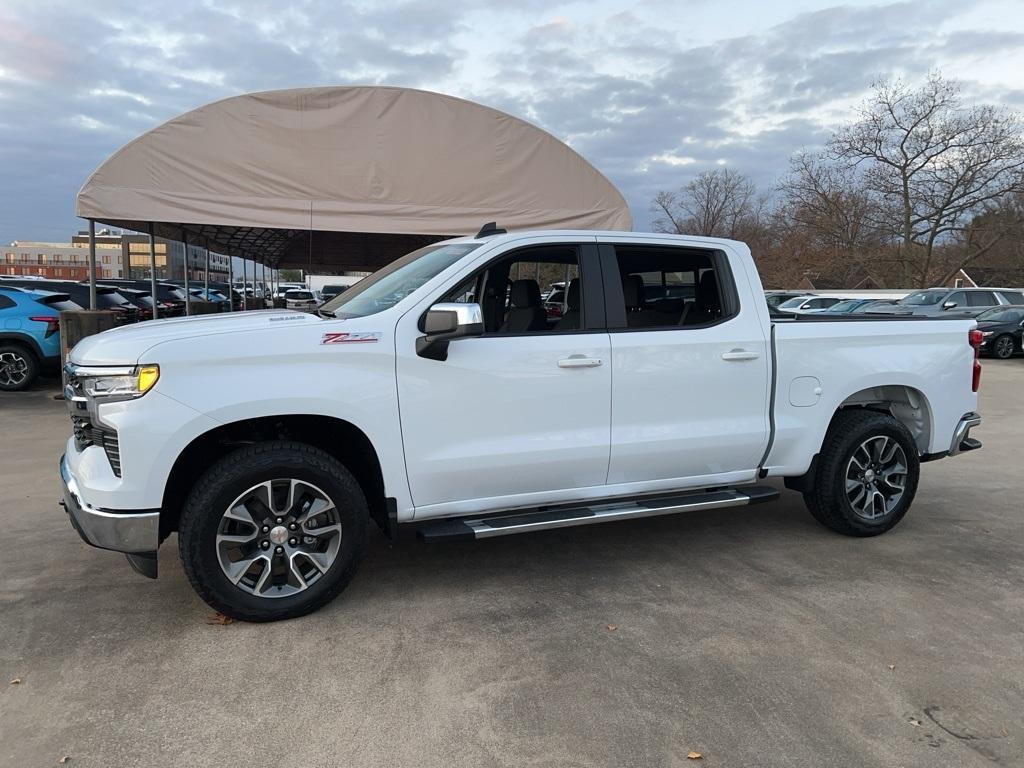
{"points": [[753, 636]]}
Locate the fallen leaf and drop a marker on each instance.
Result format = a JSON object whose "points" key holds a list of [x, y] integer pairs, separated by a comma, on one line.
{"points": [[219, 619], [691, 755], [892, 667], [15, 681], [915, 722], [612, 627], [64, 759]]}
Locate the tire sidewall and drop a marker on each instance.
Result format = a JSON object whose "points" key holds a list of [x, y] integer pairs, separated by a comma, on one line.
{"points": [[29, 358], [884, 426], [204, 511]]}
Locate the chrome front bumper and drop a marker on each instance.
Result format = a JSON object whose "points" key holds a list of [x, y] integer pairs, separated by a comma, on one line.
{"points": [[131, 532]]}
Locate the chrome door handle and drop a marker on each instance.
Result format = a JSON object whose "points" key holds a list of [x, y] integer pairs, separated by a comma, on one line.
{"points": [[739, 354], [579, 361]]}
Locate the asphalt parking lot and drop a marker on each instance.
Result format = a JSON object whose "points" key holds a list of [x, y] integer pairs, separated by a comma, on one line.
{"points": [[752, 636]]}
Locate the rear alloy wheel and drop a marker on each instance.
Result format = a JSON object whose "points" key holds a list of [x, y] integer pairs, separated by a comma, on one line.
{"points": [[866, 474], [1002, 347], [18, 368], [273, 531], [875, 477]]}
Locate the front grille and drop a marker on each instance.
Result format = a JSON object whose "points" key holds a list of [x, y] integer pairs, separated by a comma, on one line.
{"points": [[86, 434]]}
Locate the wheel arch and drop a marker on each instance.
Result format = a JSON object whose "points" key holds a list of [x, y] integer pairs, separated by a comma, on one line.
{"points": [[23, 340], [342, 439], [907, 404]]}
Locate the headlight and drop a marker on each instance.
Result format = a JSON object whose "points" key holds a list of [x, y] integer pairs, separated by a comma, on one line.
{"points": [[116, 383], [986, 334]]}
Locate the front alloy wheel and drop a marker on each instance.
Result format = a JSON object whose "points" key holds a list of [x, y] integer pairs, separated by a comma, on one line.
{"points": [[278, 538], [273, 531]]}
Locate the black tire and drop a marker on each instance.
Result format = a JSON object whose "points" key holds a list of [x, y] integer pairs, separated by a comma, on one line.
{"points": [[27, 367], [1003, 346], [827, 499], [231, 476]]}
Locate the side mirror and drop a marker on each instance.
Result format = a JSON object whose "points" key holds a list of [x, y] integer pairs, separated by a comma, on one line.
{"points": [[444, 322], [948, 304]]}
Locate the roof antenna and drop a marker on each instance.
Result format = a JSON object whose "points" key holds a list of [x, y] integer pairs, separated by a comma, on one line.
{"points": [[490, 228]]}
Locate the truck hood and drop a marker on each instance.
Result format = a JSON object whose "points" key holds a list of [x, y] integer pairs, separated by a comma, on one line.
{"points": [[125, 345]]}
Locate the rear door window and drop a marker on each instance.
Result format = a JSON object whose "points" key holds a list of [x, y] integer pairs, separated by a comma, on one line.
{"points": [[666, 287], [981, 299], [1012, 297]]}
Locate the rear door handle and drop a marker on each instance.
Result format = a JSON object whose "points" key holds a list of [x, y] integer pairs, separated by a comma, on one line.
{"points": [[579, 361], [740, 354]]}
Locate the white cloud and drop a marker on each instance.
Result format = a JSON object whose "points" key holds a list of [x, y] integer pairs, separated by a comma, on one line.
{"points": [[649, 94]]}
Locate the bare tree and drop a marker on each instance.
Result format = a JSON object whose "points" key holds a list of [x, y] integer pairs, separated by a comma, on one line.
{"points": [[931, 166], [827, 201], [716, 203], [828, 219]]}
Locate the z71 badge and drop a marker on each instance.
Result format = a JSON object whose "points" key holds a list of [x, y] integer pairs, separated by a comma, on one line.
{"points": [[350, 338]]}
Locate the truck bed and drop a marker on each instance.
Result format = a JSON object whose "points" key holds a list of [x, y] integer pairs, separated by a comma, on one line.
{"points": [[925, 364]]}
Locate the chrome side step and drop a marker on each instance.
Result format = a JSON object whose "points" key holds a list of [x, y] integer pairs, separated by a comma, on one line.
{"points": [[566, 516]]}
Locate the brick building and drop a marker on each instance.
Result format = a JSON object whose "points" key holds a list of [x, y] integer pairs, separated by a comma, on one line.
{"points": [[117, 255]]}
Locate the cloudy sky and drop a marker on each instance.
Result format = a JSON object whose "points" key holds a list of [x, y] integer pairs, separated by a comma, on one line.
{"points": [[651, 92]]}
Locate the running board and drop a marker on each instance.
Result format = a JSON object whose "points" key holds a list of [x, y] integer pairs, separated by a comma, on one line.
{"points": [[564, 517]]}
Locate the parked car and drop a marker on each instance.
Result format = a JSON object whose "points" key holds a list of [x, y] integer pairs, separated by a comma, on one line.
{"points": [[843, 307], [554, 301], [971, 301], [283, 288], [107, 297], [170, 298], [807, 303], [29, 334], [473, 420], [211, 295], [299, 298], [1001, 330], [774, 298], [328, 292]]}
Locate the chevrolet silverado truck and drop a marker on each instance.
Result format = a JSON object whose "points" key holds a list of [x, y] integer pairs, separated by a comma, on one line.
{"points": [[438, 393]]}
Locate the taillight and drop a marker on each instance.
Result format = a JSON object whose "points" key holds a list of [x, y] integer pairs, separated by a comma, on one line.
{"points": [[974, 338], [52, 324]]}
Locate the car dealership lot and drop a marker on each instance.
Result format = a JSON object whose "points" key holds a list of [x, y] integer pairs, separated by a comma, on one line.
{"points": [[753, 636]]}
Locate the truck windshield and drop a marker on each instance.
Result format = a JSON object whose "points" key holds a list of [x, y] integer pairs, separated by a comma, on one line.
{"points": [[922, 298], [388, 286]]}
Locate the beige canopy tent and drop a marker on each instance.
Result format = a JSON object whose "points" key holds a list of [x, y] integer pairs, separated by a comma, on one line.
{"points": [[344, 178]]}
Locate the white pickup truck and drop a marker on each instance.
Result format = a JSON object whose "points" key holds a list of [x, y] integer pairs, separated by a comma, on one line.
{"points": [[438, 392]]}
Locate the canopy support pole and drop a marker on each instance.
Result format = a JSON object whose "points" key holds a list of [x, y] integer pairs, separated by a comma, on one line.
{"points": [[152, 269], [206, 273], [188, 294], [231, 283], [92, 264]]}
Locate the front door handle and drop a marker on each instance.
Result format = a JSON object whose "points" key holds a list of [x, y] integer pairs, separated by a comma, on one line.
{"points": [[579, 361], [739, 354]]}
